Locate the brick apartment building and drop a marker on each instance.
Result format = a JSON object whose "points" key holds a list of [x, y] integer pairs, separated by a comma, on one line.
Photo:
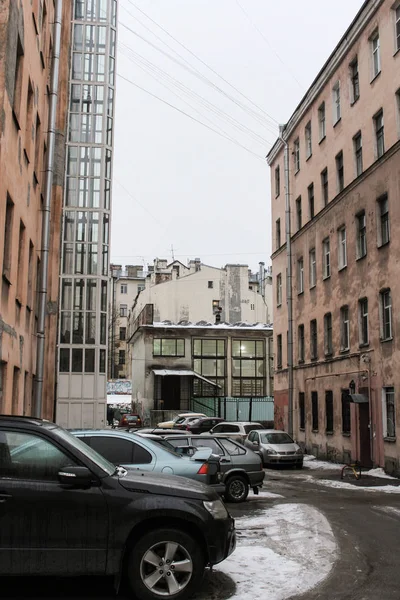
{"points": [[343, 155]]}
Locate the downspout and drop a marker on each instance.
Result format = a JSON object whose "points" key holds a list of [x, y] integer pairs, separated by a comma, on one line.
{"points": [[289, 283], [46, 212]]}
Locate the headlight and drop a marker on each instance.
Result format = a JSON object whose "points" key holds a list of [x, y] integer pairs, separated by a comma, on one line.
{"points": [[271, 451], [299, 451], [217, 509]]}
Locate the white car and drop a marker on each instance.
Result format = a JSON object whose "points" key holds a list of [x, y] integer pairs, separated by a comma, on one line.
{"points": [[180, 419]]}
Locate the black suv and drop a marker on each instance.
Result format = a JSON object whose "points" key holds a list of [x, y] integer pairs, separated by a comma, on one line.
{"points": [[65, 510]]}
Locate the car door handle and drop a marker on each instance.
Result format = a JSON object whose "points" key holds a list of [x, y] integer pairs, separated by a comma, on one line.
{"points": [[225, 460], [4, 498]]}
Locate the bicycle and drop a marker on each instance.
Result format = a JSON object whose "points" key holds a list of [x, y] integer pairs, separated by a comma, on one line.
{"points": [[351, 471]]}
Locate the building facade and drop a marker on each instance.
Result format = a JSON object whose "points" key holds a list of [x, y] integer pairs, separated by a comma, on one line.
{"points": [[27, 40], [342, 190], [126, 284], [84, 280]]}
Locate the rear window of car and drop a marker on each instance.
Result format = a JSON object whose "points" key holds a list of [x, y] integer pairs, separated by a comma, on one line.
{"points": [[249, 428], [232, 448], [208, 443], [116, 450]]}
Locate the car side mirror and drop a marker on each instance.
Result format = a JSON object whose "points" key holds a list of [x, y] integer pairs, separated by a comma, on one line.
{"points": [[76, 477], [255, 443]]}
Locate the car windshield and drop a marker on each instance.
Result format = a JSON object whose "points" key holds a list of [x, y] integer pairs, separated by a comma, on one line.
{"points": [[100, 461], [276, 438], [249, 428], [178, 420]]}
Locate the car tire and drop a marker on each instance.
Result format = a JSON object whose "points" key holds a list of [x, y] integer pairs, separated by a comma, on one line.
{"points": [[299, 465], [236, 489], [177, 583]]}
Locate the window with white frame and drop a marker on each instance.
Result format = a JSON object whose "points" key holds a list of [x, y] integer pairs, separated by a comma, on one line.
{"points": [[322, 121], [389, 412], [344, 329], [354, 81], [361, 221], [337, 113], [296, 155], [313, 340], [342, 248], [277, 181], [358, 157], [299, 214], [278, 233], [313, 268], [279, 289], [124, 288], [324, 186], [379, 134], [363, 321], [398, 112], [300, 276], [383, 220], [308, 139], [386, 314], [279, 351], [301, 347], [326, 258], [328, 334], [339, 171], [311, 202], [376, 54], [123, 310], [397, 27]]}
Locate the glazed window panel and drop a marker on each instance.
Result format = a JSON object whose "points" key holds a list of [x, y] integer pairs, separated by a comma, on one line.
{"points": [[168, 347]]}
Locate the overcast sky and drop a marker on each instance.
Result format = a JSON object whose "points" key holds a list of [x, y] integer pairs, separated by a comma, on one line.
{"points": [[177, 183]]}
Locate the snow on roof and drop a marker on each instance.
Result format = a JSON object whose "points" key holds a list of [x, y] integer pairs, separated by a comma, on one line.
{"points": [[206, 325]]}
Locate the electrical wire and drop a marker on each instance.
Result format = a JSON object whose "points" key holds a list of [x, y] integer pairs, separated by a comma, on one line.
{"points": [[138, 202]]}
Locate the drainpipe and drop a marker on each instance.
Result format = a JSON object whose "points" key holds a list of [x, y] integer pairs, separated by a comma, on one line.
{"points": [[289, 283], [46, 212]]}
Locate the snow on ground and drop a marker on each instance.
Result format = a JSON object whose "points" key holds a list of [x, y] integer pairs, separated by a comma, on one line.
{"points": [[264, 494], [390, 510], [386, 489], [310, 462], [379, 472], [287, 550]]}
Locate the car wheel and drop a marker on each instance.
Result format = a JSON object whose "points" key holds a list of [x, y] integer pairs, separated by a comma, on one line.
{"points": [[237, 489], [299, 465], [166, 563]]}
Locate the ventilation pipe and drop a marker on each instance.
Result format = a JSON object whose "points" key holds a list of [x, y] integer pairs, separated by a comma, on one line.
{"points": [[261, 278], [46, 211]]}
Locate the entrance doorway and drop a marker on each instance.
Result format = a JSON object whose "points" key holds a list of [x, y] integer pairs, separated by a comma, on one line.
{"points": [[364, 434], [171, 392]]}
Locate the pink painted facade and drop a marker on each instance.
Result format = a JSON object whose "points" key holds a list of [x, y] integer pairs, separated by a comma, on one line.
{"points": [[344, 174]]}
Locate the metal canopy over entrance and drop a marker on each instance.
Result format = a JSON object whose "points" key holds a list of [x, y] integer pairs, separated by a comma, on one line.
{"points": [[182, 373]]}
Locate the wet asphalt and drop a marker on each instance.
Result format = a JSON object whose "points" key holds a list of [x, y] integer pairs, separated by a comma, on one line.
{"points": [[365, 523]]}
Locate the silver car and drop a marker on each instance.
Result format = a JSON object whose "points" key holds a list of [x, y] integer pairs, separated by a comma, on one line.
{"points": [[235, 430], [275, 447]]}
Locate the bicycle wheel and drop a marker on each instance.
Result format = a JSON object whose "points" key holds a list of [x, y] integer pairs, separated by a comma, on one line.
{"points": [[349, 473]]}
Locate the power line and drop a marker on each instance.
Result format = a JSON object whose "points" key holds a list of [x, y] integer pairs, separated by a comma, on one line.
{"points": [[244, 11], [191, 117], [138, 202]]}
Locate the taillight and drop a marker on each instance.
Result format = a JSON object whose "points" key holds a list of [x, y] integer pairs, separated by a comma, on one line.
{"points": [[187, 427], [203, 469]]}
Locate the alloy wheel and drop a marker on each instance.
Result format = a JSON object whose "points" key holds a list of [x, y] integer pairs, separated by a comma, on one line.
{"points": [[166, 568]]}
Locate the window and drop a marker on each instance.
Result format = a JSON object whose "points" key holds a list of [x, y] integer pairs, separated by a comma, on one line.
{"points": [[311, 207], [8, 239], [328, 334], [376, 54], [300, 276], [313, 268], [389, 423], [302, 412], [379, 134], [322, 122], [363, 321], [344, 329], [122, 333], [383, 223], [121, 357], [354, 81], [397, 26], [301, 348], [357, 144], [248, 367], [279, 351], [342, 248], [308, 139], [299, 219], [329, 411], [168, 347], [117, 450], [31, 457], [124, 288], [314, 410], [386, 315], [296, 155], [209, 360], [123, 310], [339, 171], [361, 234], [208, 443], [19, 64], [231, 448], [336, 103], [326, 258], [346, 421], [29, 122], [277, 181], [324, 186], [278, 233], [279, 289], [21, 260], [313, 340], [398, 112], [38, 138]]}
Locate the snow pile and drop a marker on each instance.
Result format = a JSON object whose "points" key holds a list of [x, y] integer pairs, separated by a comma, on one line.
{"points": [[310, 462], [378, 472], [386, 489], [287, 550]]}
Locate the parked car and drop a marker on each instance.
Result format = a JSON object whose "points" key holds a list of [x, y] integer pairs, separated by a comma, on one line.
{"points": [[237, 430], [275, 447], [57, 492], [203, 424], [158, 431], [124, 449], [179, 419], [130, 420], [241, 468]]}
